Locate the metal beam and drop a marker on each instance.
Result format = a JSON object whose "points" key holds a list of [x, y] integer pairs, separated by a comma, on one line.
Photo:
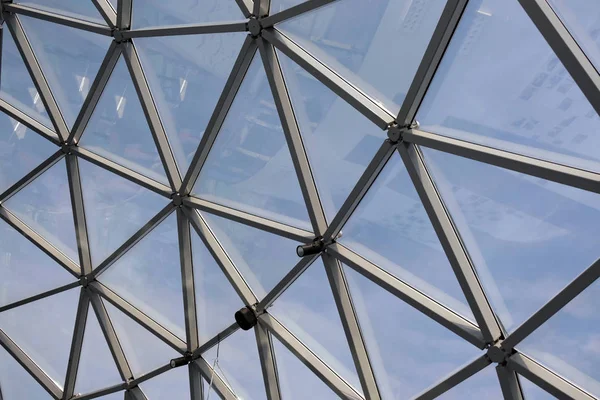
{"points": [[152, 117], [192, 29], [358, 348], [509, 383], [566, 49], [29, 122], [553, 306], [124, 12], [196, 386], [149, 375], [39, 296], [351, 94], [220, 255], [37, 76], [292, 12], [76, 192], [101, 392], [238, 72], [261, 8], [434, 310], [309, 359], [187, 281], [451, 242], [245, 7], [455, 378], [76, 343], [152, 326], [135, 393], [218, 385], [293, 137], [107, 11], [547, 170], [219, 337], [267, 362], [95, 92], [58, 18], [431, 60], [40, 242], [546, 379]]}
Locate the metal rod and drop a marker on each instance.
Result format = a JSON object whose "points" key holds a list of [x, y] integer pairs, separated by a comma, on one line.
{"points": [[192, 29], [219, 337], [39, 296]]}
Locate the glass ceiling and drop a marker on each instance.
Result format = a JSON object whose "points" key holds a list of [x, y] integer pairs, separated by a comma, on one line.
{"points": [[402, 196]]}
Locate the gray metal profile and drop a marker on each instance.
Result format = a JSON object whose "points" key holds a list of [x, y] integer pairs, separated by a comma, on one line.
{"points": [[107, 11], [267, 362], [77, 343], [187, 281], [509, 383], [39, 296], [29, 122], [218, 385], [192, 29]]}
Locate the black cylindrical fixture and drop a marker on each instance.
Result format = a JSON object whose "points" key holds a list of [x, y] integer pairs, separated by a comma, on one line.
{"points": [[310, 249], [246, 318], [179, 362]]}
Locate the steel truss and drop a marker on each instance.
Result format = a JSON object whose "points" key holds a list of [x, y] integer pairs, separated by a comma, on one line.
{"points": [[264, 40]]}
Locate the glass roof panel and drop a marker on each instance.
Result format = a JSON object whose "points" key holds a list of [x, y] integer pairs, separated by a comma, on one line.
{"points": [[394, 331], [97, 368], [237, 362], [307, 308], [49, 342], [16, 383], [25, 269], [526, 236], [338, 156], [187, 75], [115, 208], [73, 8], [262, 258], [45, 205], [483, 385], [149, 277], [533, 392], [118, 129], [401, 239], [144, 351], [158, 13], [526, 103], [353, 37], [216, 300], [16, 86], [69, 70], [208, 391], [112, 396], [249, 166], [280, 5], [173, 384], [296, 381]]}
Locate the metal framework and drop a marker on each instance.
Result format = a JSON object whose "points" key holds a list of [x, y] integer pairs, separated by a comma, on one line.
{"points": [[405, 140]]}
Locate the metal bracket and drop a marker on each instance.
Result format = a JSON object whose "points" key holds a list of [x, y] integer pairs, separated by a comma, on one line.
{"points": [[181, 361], [497, 354], [395, 132], [254, 27], [118, 35], [84, 281], [317, 246], [177, 199]]}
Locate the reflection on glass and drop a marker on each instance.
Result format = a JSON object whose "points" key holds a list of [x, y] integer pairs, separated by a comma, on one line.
{"points": [[97, 368], [149, 277], [115, 209], [16, 86], [409, 351], [69, 70], [526, 103], [48, 345], [187, 75], [308, 310], [25, 269], [262, 258], [387, 48], [483, 385], [249, 166], [144, 351], [45, 205], [401, 239], [532, 391], [173, 384], [118, 129], [16, 383], [238, 365], [527, 237], [159, 13], [338, 156], [216, 300], [73, 8]]}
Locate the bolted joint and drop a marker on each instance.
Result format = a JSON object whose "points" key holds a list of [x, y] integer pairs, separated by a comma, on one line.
{"points": [[181, 361], [254, 27], [317, 246], [177, 200], [246, 318], [395, 132], [497, 354], [118, 35], [65, 148], [84, 281]]}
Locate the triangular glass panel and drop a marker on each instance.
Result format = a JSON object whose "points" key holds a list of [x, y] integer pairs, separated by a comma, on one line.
{"points": [[521, 232], [307, 308], [392, 229], [238, 364], [280, 5], [97, 368], [187, 77], [155, 13], [149, 277], [25, 269], [16, 383], [249, 166], [71, 8], [16, 86], [296, 381], [483, 385], [173, 384], [115, 208], [112, 396], [532, 391], [22, 151], [45, 205], [144, 351], [262, 258], [542, 114], [330, 34], [208, 390], [216, 300], [69, 70], [396, 331], [118, 129], [338, 156], [43, 329]]}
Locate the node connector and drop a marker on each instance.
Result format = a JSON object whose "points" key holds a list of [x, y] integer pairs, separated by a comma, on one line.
{"points": [[181, 361], [118, 35], [311, 248], [254, 26], [177, 200], [246, 318], [497, 354]]}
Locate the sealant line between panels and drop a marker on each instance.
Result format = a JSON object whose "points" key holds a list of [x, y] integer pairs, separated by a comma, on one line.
{"points": [[191, 29], [76, 192], [509, 383], [107, 12], [267, 362], [28, 121], [246, 7], [40, 296], [218, 385], [76, 344], [187, 281], [293, 11]]}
